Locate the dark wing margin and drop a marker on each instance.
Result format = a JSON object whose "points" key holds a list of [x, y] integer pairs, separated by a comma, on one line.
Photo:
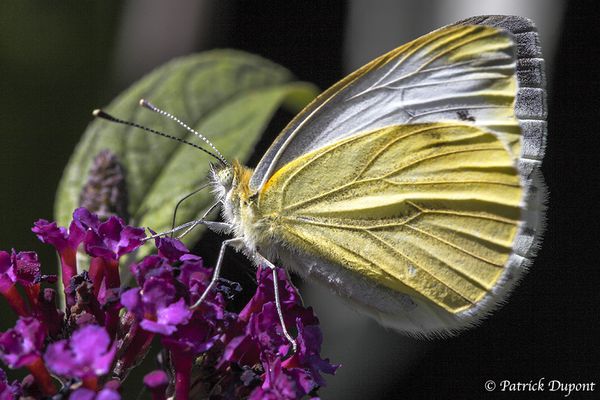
{"points": [[530, 107], [531, 111]]}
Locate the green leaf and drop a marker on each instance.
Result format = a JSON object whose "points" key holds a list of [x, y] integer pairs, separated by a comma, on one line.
{"points": [[228, 96]]}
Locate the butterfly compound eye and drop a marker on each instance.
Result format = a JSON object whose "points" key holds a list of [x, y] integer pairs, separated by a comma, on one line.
{"points": [[225, 176]]}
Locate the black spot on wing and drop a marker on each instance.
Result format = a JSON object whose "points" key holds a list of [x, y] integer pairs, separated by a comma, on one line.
{"points": [[464, 115]]}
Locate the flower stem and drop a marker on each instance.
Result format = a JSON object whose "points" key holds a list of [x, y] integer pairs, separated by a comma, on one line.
{"points": [[97, 273], [68, 262], [137, 349], [91, 383], [112, 320], [15, 301], [33, 293], [42, 376], [183, 371], [112, 274]]}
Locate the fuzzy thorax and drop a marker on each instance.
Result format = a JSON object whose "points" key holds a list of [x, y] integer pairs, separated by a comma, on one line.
{"points": [[231, 187]]}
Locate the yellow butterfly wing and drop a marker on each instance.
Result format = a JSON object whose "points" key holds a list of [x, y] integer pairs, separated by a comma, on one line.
{"points": [[430, 210], [436, 251]]}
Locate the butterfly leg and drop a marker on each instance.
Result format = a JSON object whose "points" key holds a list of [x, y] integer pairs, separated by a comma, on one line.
{"points": [[262, 260], [177, 228], [201, 220], [217, 270], [218, 227], [187, 196]]}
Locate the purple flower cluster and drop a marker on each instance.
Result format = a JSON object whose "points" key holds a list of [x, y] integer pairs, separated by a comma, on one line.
{"points": [[8, 391], [87, 349], [257, 339]]}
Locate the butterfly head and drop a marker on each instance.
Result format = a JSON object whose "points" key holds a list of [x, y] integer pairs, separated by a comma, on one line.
{"points": [[231, 187], [230, 177], [223, 177]]}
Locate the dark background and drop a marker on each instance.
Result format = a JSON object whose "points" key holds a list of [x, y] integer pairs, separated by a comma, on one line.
{"points": [[60, 60]]}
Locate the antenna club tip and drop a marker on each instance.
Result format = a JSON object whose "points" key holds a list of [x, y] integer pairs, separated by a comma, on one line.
{"points": [[146, 104], [98, 113]]}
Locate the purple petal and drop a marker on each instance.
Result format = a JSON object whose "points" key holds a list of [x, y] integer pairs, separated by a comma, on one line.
{"points": [[8, 391], [108, 394], [158, 292], [307, 358], [111, 239], [242, 350], [27, 267], [90, 341], [193, 274], [156, 380], [264, 293], [59, 237], [75, 235], [21, 345], [172, 249], [197, 336], [55, 357], [85, 218], [278, 384], [88, 353], [5, 261], [83, 394], [91, 346], [153, 326], [48, 232], [87, 394], [151, 266], [131, 300], [303, 379], [7, 272], [174, 314]]}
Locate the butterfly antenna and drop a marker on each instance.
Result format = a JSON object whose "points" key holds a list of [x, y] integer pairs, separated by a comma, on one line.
{"points": [[152, 107], [108, 117]]}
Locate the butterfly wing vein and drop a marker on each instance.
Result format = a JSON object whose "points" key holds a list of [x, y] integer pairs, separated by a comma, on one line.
{"points": [[454, 73], [427, 209]]}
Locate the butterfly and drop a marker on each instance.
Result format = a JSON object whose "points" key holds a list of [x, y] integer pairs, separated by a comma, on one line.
{"points": [[412, 187]]}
